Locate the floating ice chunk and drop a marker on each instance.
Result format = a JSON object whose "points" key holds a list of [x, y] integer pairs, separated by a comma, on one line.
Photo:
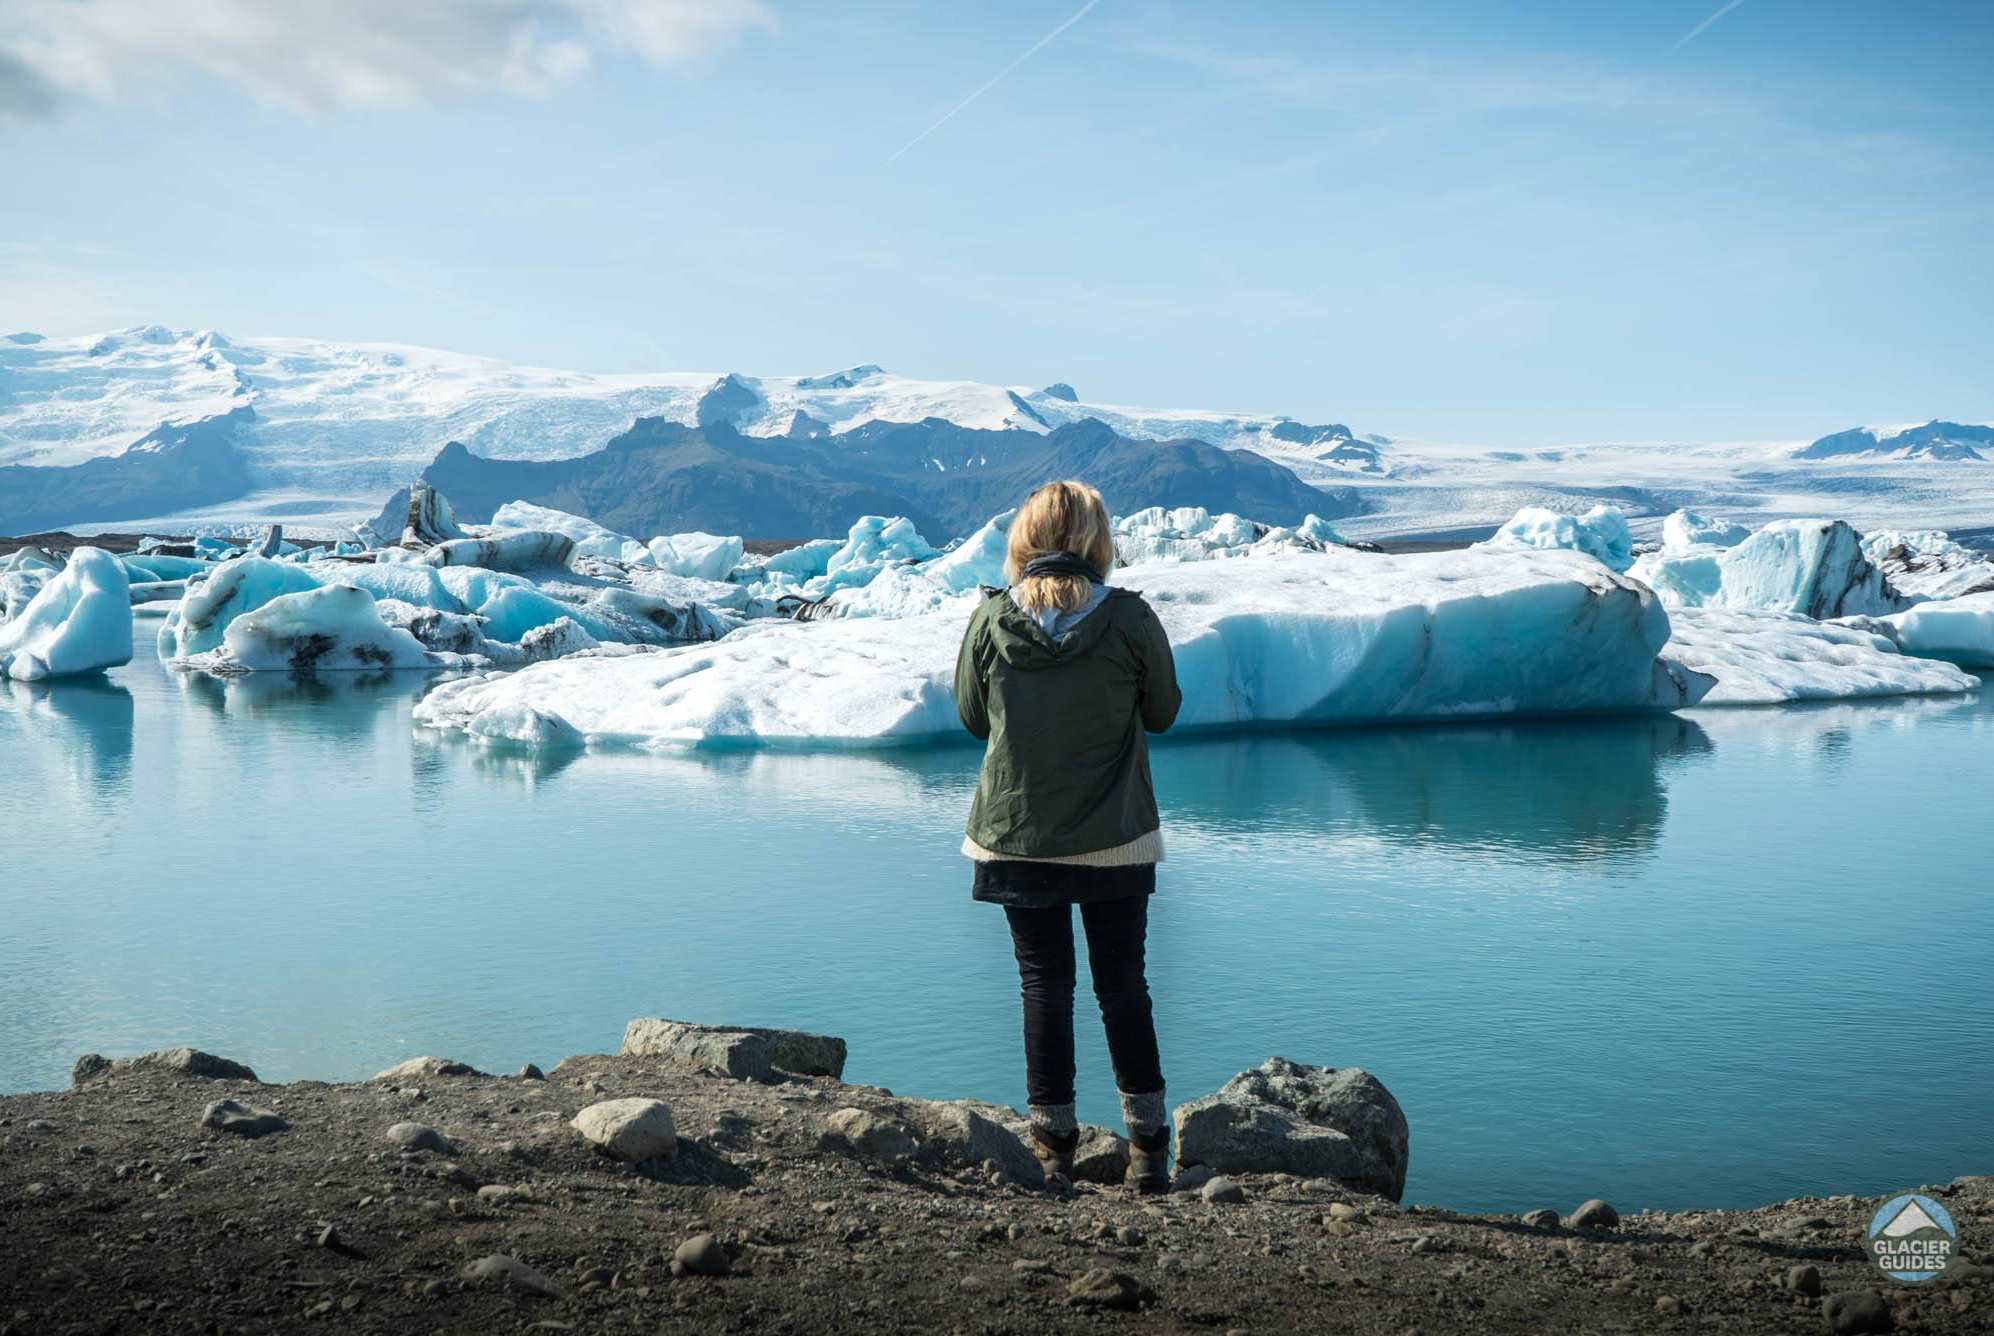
{"points": [[28, 558], [18, 589], [1686, 529], [805, 561], [1191, 533], [527, 550], [513, 610], [408, 582], [1813, 567], [473, 586], [1927, 563], [976, 560], [160, 566], [1601, 533], [333, 628], [80, 621], [690, 589], [897, 591], [446, 632], [1684, 577], [876, 540], [1770, 658], [232, 589], [591, 539], [1958, 630], [524, 726], [430, 516], [703, 556], [1296, 639]]}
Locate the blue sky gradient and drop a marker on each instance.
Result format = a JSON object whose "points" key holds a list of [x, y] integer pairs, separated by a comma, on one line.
{"points": [[1518, 224]]}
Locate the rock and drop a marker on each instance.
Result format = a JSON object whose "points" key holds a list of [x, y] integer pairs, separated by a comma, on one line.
{"points": [[1803, 1280], [180, 1061], [1223, 1191], [742, 1051], [1101, 1288], [1101, 1156], [417, 1068], [498, 1194], [1594, 1214], [531, 1073], [629, 1129], [498, 1271], [956, 1136], [1541, 1218], [1289, 1117], [225, 1115], [1853, 1312], [1669, 1305], [867, 1134], [701, 1255], [416, 1136], [1190, 1178]]}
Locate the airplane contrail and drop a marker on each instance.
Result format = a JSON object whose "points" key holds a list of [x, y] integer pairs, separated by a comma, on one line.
{"points": [[1697, 31], [1030, 51]]}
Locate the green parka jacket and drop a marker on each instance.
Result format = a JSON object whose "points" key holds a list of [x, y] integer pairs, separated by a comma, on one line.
{"points": [[1067, 768]]}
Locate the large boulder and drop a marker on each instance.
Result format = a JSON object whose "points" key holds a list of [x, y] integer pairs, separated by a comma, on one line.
{"points": [[742, 1051], [419, 1069], [179, 1061], [629, 1129], [1290, 1117]]}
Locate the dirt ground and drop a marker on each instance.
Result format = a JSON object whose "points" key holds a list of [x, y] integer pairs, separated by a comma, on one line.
{"points": [[120, 1213]]}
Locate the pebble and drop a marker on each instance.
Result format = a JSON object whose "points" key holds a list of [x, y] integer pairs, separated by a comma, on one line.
{"points": [[1542, 1218], [1595, 1214], [1803, 1280], [1343, 1210], [1669, 1305], [1033, 1266], [500, 1270], [1223, 1191], [701, 1255], [1129, 1236], [1854, 1312], [418, 1136], [1101, 1288], [500, 1193]]}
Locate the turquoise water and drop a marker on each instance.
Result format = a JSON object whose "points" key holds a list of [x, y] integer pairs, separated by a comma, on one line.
{"points": [[1709, 960]]}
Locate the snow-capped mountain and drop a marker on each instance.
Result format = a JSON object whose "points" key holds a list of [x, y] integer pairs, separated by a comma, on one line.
{"points": [[174, 430], [331, 428]]}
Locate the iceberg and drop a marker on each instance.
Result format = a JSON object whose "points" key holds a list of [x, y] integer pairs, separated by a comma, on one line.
{"points": [[79, 621], [235, 587], [1813, 567], [1762, 657], [1927, 563], [590, 539], [977, 560], [1600, 533], [805, 561], [1192, 533], [702, 556], [526, 550], [1958, 630], [873, 543], [330, 628], [1686, 529], [406, 581], [1302, 639]]}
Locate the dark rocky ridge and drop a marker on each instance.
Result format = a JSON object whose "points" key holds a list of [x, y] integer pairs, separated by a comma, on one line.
{"points": [[169, 468], [664, 477], [434, 1198]]}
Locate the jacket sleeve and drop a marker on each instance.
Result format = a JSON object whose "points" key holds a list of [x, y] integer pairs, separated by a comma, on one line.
{"points": [[972, 698], [1158, 695]]}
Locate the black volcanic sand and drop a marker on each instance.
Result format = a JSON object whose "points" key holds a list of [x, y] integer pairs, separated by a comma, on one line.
{"points": [[119, 1214]]}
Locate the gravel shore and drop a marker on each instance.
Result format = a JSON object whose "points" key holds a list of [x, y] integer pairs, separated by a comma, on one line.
{"points": [[432, 1199]]}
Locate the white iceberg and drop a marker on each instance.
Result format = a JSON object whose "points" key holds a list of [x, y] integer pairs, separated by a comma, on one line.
{"points": [[1320, 638], [703, 556], [235, 587], [332, 628], [805, 561], [528, 550], [406, 581], [1762, 657], [1600, 533], [590, 539], [874, 542], [1812, 567], [1686, 529], [79, 621], [1927, 563], [1958, 630], [977, 560], [1192, 533]]}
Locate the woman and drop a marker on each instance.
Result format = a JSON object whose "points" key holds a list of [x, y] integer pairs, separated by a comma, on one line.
{"points": [[1062, 674]]}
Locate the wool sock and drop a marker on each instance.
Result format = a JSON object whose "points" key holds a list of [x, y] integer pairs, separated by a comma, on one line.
{"points": [[1054, 1118], [1143, 1113]]}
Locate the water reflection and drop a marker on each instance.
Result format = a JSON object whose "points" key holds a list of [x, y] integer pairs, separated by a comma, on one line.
{"points": [[331, 695], [90, 720]]}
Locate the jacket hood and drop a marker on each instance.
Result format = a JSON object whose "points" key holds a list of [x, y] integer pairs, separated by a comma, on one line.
{"points": [[1023, 644]]}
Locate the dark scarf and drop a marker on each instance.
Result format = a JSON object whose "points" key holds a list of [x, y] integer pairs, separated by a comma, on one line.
{"points": [[1062, 563]]}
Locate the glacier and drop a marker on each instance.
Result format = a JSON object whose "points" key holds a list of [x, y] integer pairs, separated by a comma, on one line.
{"points": [[79, 621]]}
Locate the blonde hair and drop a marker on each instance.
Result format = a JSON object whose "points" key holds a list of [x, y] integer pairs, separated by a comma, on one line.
{"points": [[1058, 517]]}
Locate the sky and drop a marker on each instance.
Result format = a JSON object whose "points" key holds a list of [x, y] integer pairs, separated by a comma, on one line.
{"points": [[1528, 223]]}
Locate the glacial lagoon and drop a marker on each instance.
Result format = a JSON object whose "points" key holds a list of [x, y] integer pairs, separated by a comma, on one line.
{"points": [[1707, 960]]}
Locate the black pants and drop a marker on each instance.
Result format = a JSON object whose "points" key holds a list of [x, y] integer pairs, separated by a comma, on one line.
{"points": [[1043, 939]]}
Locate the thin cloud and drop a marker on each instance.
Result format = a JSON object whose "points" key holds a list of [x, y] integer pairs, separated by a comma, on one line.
{"points": [[309, 57], [997, 78], [1697, 31]]}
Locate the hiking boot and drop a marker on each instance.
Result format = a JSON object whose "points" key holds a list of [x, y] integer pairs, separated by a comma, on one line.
{"points": [[1054, 1151], [1149, 1162]]}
